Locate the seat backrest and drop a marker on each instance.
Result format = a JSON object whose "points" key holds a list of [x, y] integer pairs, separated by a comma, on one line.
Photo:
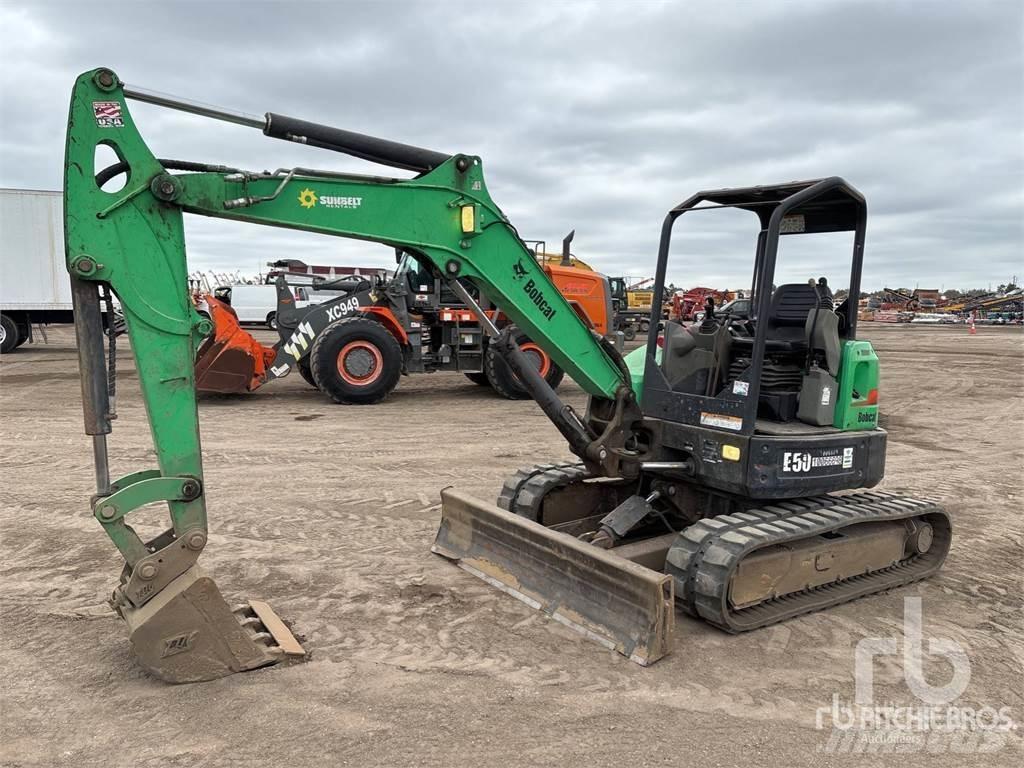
{"points": [[822, 332], [787, 315]]}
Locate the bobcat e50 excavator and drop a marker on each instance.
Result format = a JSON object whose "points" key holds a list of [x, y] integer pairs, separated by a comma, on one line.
{"points": [[698, 437]]}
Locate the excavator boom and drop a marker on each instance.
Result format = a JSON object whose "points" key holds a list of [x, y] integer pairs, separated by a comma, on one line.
{"points": [[130, 240]]}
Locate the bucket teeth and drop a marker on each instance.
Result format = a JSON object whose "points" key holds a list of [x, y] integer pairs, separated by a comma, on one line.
{"points": [[187, 633], [270, 624]]}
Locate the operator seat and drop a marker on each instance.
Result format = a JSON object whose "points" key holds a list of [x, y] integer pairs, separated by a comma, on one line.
{"points": [[786, 322], [801, 327], [787, 317]]}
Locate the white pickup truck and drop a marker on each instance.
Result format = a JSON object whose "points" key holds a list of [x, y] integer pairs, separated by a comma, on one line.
{"points": [[257, 303]]}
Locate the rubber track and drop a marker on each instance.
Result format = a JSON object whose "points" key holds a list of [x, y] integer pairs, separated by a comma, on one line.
{"points": [[523, 493], [702, 560]]}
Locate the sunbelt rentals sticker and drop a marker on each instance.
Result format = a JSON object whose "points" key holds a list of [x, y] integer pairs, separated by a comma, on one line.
{"points": [[308, 198]]}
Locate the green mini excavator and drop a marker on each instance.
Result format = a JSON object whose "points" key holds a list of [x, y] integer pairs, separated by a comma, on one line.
{"points": [[714, 463]]}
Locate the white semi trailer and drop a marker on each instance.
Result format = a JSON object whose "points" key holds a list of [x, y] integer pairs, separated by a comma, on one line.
{"points": [[34, 283]]}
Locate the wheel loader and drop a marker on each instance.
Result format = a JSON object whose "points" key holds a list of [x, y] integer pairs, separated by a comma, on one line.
{"points": [[722, 469], [356, 346]]}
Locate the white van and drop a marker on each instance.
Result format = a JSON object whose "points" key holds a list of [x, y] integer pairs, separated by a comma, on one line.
{"points": [[256, 303]]}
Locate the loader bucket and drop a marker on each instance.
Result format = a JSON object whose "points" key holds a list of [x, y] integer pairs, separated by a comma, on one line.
{"points": [[616, 602], [187, 633], [230, 360]]}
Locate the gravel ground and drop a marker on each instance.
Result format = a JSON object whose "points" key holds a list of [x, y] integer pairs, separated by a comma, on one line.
{"points": [[324, 512]]}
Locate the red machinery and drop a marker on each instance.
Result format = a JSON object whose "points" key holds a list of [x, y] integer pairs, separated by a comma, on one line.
{"points": [[685, 304]]}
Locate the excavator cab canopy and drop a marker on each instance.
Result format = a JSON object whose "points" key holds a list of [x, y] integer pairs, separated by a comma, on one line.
{"points": [[726, 383]]}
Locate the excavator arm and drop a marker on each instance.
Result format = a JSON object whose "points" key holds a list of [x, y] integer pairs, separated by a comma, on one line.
{"points": [[131, 242]]}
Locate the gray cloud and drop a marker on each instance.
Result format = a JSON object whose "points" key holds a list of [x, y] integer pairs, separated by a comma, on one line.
{"points": [[597, 116]]}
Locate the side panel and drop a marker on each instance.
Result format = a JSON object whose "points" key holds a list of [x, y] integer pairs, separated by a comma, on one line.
{"points": [[857, 401], [783, 467], [589, 289], [640, 300], [779, 467], [32, 271]]}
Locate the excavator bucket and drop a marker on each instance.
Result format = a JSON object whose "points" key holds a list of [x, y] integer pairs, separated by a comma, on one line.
{"points": [[187, 633], [611, 599], [230, 360]]}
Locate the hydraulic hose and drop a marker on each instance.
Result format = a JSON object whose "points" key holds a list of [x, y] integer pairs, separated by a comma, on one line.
{"points": [[117, 169]]}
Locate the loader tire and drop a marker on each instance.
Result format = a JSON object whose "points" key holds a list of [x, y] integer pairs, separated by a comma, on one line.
{"points": [[506, 383], [306, 372], [478, 377], [356, 361]]}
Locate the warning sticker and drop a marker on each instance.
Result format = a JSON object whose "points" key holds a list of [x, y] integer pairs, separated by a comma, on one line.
{"points": [[741, 388], [108, 114], [793, 224], [721, 421]]}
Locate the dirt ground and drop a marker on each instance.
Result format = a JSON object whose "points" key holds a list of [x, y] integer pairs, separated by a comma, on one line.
{"points": [[328, 512]]}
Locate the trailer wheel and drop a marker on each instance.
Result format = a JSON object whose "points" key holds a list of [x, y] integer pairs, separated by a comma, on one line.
{"points": [[506, 383], [306, 372], [478, 377], [272, 321], [356, 360], [24, 333], [629, 332], [9, 336]]}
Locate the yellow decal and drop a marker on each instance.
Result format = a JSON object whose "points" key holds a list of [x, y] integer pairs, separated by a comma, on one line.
{"points": [[307, 198], [731, 452]]}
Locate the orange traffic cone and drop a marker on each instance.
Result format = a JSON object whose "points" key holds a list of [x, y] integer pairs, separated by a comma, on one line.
{"points": [[970, 327]]}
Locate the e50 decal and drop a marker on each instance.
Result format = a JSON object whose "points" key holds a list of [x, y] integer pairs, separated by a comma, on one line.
{"points": [[795, 462]]}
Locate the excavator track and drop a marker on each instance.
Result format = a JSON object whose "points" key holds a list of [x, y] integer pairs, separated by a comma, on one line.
{"points": [[524, 492], [705, 557]]}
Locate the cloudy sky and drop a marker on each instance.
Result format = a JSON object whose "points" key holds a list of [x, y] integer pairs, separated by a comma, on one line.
{"points": [[595, 116]]}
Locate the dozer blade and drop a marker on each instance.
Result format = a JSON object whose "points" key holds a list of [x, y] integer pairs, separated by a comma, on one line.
{"points": [[618, 603], [230, 361], [187, 633]]}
